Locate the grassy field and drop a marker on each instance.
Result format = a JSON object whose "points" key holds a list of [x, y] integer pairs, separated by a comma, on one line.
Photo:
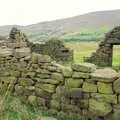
{"points": [[82, 49], [88, 35]]}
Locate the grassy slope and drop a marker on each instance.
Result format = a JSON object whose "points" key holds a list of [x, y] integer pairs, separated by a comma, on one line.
{"points": [[88, 35]]}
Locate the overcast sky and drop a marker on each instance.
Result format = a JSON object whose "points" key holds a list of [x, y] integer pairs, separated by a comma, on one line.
{"points": [[25, 12]]}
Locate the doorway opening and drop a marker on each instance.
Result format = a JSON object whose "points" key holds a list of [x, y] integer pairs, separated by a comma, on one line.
{"points": [[116, 57]]}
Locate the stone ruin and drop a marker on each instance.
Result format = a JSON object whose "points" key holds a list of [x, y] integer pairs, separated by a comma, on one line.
{"points": [[15, 45], [55, 49], [35, 79], [103, 55]]}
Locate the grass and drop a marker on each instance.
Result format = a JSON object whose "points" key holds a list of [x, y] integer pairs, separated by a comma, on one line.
{"points": [[11, 108], [88, 35], [82, 49]]}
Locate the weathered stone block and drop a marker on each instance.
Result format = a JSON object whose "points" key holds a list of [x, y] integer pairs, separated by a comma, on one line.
{"points": [[40, 101], [76, 93], [70, 108], [41, 93], [73, 83], [88, 87], [55, 104], [43, 76], [52, 68], [34, 58], [57, 76], [84, 67], [80, 75], [99, 108], [110, 98], [116, 86], [44, 59], [47, 81], [19, 89], [22, 52], [83, 104], [105, 75], [48, 88], [30, 74], [67, 72], [115, 115], [104, 88], [25, 81]]}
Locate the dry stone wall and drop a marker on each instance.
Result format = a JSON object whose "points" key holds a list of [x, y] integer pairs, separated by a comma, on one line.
{"points": [[77, 90]]}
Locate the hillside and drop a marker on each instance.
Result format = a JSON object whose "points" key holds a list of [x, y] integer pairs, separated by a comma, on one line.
{"points": [[92, 25]]}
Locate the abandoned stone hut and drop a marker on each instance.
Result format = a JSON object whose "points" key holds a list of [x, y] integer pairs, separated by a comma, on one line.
{"points": [[104, 53], [54, 48]]}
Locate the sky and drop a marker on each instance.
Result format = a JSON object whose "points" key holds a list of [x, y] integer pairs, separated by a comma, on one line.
{"points": [[26, 12]]}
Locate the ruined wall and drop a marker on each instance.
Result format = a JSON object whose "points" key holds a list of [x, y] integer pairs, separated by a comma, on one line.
{"points": [[104, 53], [55, 49], [79, 90]]}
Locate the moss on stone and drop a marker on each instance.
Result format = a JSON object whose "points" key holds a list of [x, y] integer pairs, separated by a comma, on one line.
{"points": [[67, 72], [88, 87], [80, 75], [104, 88], [47, 81], [32, 99], [34, 58], [116, 86], [84, 67], [99, 108], [57, 76], [55, 104], [73, 83], [110, 98], [48, 88]]}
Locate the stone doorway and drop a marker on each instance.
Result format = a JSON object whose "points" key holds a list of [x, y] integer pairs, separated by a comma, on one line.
{"points": [[116, 56], [105, 52]]}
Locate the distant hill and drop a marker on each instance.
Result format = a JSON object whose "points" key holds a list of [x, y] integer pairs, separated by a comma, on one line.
{"points": [[92, 25]]}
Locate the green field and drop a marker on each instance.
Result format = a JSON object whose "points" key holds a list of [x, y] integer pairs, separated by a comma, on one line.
{"points": [[82, 49], [88, 35]]}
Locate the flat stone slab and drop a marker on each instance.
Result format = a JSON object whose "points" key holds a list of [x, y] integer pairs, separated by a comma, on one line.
{"points": [[109, 98], [99, 108], [105, 75], [116, 86], [84, 67], [6, 52], [22, 52]]}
